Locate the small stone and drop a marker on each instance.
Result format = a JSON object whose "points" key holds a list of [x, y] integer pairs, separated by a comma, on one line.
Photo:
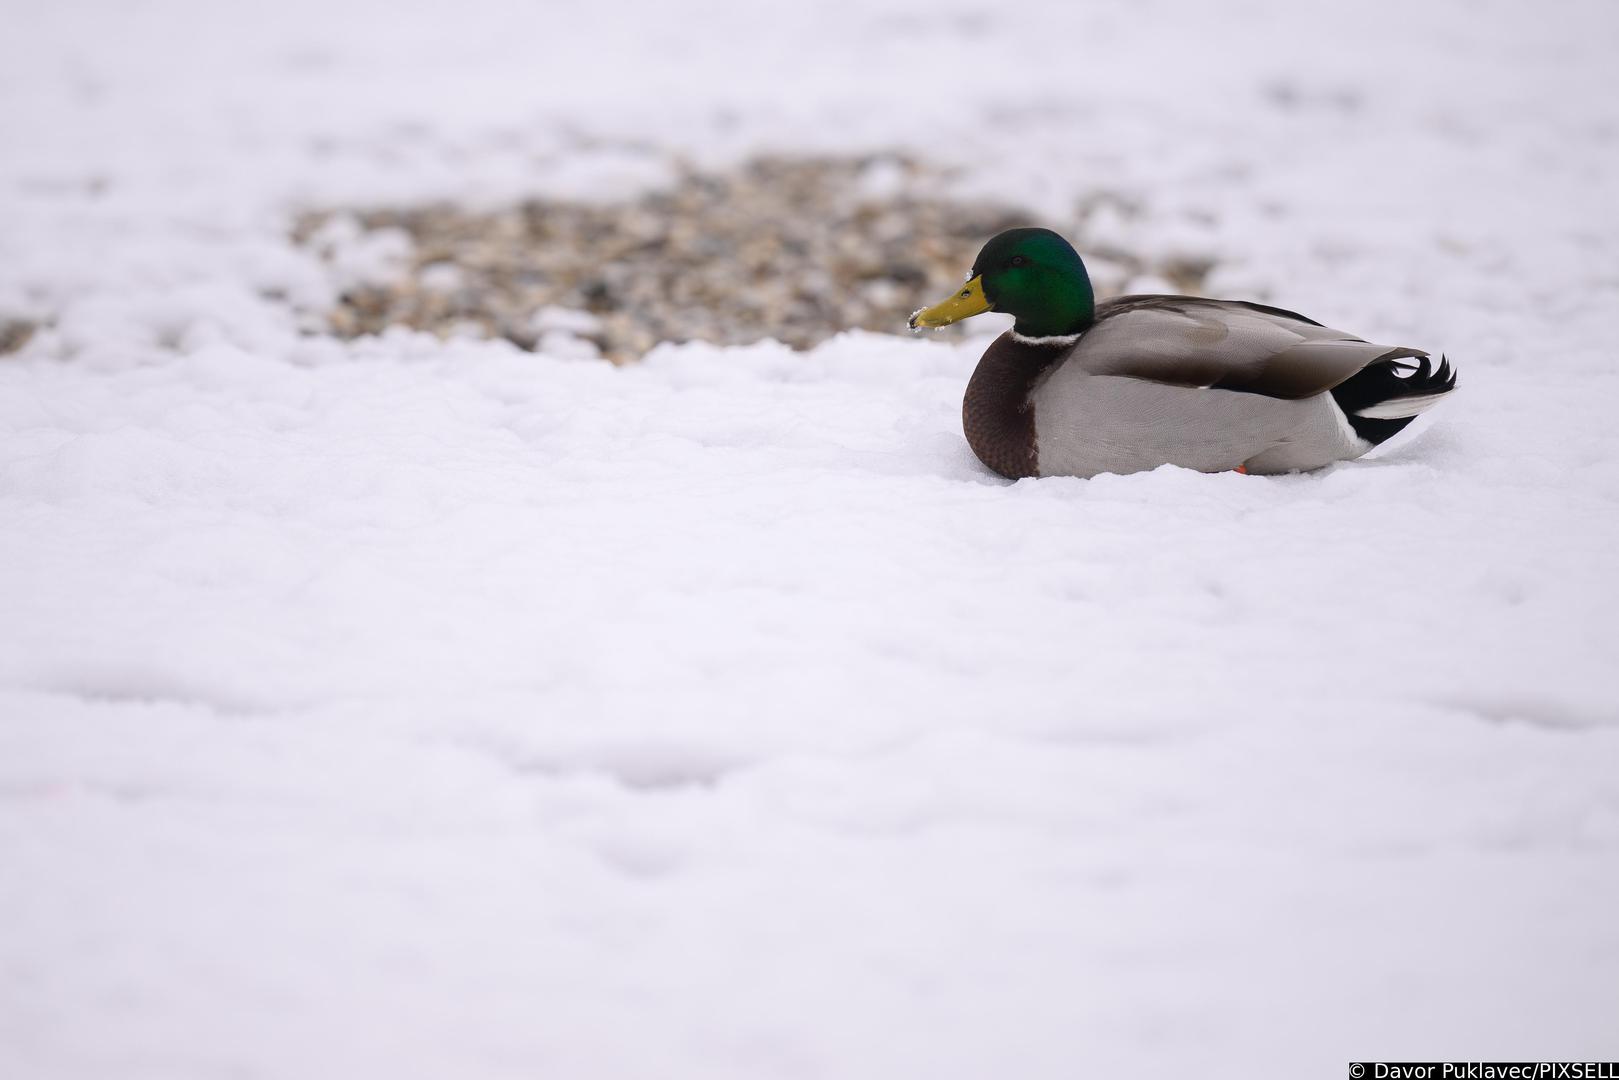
{"points": [[14, 334]]}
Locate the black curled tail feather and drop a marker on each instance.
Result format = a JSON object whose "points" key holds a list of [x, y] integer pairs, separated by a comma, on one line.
{"points": [[1375, 398]]}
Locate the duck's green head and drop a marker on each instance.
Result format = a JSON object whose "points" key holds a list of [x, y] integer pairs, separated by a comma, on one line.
{"points": [[1033, 275]]}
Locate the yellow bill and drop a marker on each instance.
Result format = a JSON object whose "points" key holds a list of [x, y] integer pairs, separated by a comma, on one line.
{"points": [[965, 304]]}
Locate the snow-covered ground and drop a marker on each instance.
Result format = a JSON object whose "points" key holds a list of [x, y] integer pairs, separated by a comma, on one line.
{"points": [[413, 709]]}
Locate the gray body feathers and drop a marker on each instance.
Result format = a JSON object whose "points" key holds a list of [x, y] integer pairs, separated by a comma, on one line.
{"points": [[1205, 384]]}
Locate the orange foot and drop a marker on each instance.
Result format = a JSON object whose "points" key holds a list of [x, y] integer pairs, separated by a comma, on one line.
{"points": [[1243, 469]]}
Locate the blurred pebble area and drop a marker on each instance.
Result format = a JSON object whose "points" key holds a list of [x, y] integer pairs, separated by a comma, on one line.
{"points": [[791, 249]]}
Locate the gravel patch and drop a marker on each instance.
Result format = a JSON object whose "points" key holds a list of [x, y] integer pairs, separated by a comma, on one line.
{"points": [[793, 249]]}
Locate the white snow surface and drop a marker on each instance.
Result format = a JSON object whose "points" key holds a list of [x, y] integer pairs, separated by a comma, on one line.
{"points": [[405, 708]]}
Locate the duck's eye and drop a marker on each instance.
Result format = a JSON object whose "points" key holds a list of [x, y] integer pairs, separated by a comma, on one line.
{"points": [[1018, 260]]}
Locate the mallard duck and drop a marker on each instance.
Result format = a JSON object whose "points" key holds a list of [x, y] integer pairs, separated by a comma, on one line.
{"points": [[1078, 388]]}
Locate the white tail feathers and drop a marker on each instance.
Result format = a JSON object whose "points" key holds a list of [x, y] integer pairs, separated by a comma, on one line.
{"points": [[1401, 407]]}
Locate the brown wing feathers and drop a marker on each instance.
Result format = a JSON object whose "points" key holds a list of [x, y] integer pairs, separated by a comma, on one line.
{"points": [[1225, 345]]}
